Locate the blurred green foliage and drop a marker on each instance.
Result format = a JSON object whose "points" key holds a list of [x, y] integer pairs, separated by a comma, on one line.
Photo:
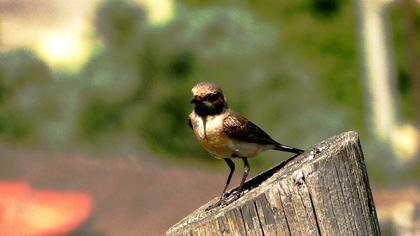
{"points": [[137, 85], [142, 77], [398, 41], [23, 104], [290, 66]]}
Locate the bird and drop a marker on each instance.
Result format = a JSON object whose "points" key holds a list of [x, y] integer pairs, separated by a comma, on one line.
{"points": [[226, 134]]}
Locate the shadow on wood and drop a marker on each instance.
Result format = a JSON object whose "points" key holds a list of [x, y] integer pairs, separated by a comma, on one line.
{"points": [[324, 191]]}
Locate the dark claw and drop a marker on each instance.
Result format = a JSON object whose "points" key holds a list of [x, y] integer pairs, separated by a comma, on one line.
{"points": [[214, 205], [225, 200], [221, 202], [232, 197]]}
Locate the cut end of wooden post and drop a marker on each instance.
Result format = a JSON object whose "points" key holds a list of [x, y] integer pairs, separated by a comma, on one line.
{"points": [[302, 194]]}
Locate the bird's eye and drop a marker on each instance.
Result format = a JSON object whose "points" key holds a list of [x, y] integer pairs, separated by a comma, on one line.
{"points": [[213, 97]]}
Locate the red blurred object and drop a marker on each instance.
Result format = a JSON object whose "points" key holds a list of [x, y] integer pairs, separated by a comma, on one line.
{"points": [[25, 211]]}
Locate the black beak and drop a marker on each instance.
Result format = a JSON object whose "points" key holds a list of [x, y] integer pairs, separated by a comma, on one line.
{"points": [[194, 101]]}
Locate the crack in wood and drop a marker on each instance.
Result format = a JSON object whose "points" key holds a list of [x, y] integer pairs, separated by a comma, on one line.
{"points": [[360, 226], [314, 212], [346, 208], [259, 220], [340, 198], [281, 206], [243, 221], [287, 222]]}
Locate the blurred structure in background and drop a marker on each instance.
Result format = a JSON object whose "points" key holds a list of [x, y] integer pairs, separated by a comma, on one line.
{"points": [[59, 31], [56, 30], [378, 67], [381, 78]]}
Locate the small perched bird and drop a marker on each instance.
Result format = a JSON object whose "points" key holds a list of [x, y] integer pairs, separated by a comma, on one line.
{"points": [[226, 134]]}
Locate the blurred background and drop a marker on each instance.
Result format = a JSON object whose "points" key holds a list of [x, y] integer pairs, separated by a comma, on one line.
{"points": [[94, 99]]}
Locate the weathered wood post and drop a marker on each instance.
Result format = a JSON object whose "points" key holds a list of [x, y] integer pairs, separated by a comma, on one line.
{"points": [[324, 191]]}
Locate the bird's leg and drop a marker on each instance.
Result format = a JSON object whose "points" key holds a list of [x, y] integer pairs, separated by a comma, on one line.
{"points": [[231, 165], [246, 172]]}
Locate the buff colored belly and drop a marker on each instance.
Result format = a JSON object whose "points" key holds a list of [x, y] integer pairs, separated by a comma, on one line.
{"points": [[217, 143], [223, 147]]}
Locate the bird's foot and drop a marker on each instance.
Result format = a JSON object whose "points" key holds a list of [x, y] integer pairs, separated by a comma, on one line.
{"points": [[216, 204], [235, 195], [225, 200]]}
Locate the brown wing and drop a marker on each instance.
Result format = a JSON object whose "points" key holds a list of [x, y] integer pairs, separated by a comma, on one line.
{"points": [[238, 127]]}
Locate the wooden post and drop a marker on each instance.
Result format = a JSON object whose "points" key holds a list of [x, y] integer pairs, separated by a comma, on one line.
{"points": [[324, 191]]}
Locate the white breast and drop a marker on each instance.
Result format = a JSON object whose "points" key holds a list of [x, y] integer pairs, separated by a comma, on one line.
{"points": [[214, 125]]}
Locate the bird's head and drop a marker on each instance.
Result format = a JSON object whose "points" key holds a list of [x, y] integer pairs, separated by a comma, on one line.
{"points": [[208, 99]]}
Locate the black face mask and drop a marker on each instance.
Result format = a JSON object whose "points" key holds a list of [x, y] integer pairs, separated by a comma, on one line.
{"points": [[202, 110]]}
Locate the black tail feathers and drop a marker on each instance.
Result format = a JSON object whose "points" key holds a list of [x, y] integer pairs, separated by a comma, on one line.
{"points": [[284, 148]]}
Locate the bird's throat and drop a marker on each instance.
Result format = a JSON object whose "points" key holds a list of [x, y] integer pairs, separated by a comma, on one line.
{"points": [[204, 119]]}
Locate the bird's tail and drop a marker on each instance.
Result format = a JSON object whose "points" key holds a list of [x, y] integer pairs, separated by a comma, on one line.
{"points": [[285, 148]]}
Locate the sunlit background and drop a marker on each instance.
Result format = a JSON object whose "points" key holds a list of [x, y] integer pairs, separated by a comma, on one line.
{"points": [[94, 99]]}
